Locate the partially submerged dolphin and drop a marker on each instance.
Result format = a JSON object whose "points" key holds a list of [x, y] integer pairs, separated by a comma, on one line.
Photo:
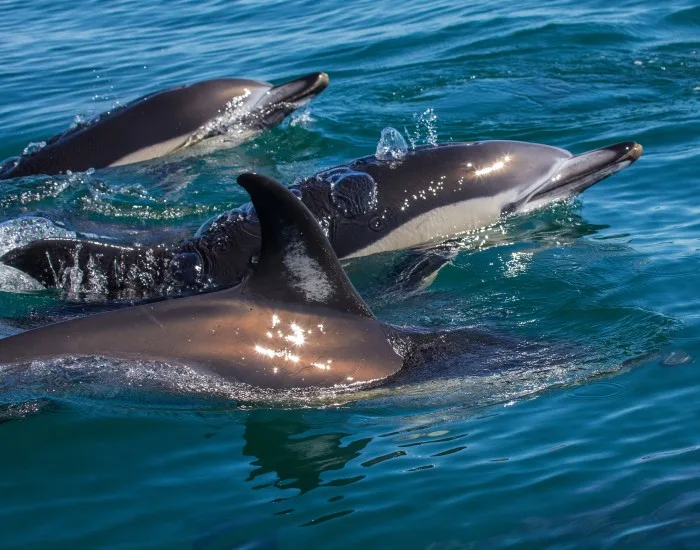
{"points": [[163, 122], [296, 322], [365, 206]]}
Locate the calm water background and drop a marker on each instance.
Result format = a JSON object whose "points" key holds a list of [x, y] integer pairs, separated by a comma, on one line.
{"points": [[591, 443]]}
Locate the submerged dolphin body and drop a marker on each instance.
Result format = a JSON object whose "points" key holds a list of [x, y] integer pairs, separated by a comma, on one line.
{"points": [[162, 122], [366, 206]]}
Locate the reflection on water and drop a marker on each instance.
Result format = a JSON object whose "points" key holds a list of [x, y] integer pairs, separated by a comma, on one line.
{"points": [[277, 442]]}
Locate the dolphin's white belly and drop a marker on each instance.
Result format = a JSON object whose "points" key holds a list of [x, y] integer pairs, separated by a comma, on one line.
{"points": [[441, 223], [152, 151]]}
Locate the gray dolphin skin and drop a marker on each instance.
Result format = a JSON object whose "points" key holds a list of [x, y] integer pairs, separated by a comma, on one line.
{"points": [[366, 206], [296, 322], [163, 122]]}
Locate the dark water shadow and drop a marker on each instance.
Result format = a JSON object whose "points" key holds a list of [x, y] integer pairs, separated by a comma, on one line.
{"points": [[279, 443]]}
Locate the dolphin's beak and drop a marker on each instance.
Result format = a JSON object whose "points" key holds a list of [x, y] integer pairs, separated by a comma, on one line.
{"points": [[580, 172], [297, 90]]}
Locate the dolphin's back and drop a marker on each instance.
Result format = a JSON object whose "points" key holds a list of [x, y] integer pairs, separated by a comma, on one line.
{"points": [[256, 342]]}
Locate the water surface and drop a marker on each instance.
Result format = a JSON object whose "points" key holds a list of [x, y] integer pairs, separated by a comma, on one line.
{"points": [[590, 442]]}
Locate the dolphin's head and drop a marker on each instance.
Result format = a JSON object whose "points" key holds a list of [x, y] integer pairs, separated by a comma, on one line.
{"points": [[579, 172], [436, 192], [277, 102]]}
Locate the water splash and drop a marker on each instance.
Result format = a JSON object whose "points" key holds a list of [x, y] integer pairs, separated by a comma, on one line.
{"points": [[392, 145], [21, 231], [231, 123], [301, 118], [109, 382], [215, 224], [16, 281], [425, 129], [33, 147]]}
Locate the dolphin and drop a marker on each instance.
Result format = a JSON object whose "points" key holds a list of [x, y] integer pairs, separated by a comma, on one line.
{"points": [[296, 322], [366, 206], [160, 123]]}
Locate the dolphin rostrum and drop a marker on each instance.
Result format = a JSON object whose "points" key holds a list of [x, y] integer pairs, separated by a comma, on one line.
{"points": [[163, 122], [366, 206]]}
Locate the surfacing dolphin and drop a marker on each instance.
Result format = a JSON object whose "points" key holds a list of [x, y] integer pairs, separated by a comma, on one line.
{"points": [[366, 206], [296, 322], [160, 123]]}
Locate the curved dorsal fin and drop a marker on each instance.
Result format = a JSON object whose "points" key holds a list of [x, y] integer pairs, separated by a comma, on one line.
{"points": [[297, 263]]}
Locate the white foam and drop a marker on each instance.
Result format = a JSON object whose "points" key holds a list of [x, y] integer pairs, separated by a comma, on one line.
{"points": [[21, 231], [14, 280]]}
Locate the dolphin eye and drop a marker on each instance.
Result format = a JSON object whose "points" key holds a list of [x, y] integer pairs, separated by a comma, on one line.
{"points": [[376, 223]]}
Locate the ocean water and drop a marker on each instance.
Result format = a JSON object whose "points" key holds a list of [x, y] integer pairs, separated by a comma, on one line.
{"points": [[588, 440]]}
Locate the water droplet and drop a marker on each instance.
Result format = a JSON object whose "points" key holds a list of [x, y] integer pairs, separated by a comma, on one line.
{"points": [[392, 145]]}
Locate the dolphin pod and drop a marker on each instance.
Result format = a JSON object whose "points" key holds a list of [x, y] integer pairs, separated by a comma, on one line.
{"points": [[162, 122], [366, 206]]}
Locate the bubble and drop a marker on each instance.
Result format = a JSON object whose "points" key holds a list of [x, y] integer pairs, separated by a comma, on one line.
{"points": [[392, 145], [677, 357]]}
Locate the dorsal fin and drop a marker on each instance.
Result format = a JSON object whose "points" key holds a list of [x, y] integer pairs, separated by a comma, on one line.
{"points": [[297, 263]]}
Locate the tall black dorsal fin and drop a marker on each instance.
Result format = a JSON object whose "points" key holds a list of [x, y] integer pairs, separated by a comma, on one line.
{"points": [[297, 263]]}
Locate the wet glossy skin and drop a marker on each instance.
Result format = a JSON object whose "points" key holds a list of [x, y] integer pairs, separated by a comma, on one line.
{"points": [[437, 192], [250, 341], [297, 322], [369, 205]]}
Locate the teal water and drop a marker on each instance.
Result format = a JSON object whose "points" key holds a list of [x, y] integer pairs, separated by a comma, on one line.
{"points": [[590, 442]]}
